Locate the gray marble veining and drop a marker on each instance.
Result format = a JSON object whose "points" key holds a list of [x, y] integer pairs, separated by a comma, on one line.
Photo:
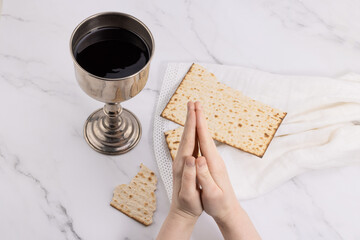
{"points": [[53, 186]]}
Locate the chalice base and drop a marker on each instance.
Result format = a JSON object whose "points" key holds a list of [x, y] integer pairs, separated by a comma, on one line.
{"points": [[112, 139]]}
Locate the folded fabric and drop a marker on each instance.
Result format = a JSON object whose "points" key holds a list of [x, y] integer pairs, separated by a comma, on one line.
{"points": [[321, 130]]}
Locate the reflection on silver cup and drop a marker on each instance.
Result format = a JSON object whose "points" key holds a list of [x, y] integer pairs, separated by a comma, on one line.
{"points": [[111, 130]]}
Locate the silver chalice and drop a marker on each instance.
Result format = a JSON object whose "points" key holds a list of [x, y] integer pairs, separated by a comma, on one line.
{"points": [[112, 129]]}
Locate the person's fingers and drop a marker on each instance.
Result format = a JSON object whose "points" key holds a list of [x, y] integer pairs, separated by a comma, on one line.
{"points": [[207, 145], [196, 151], [208, 149], [204, 177], [188, 180], [186, 147], [187, 143]]}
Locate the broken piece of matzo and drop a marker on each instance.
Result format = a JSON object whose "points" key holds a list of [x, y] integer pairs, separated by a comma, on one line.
{"points": [[137, 200], [173, 138], [233, 118]]}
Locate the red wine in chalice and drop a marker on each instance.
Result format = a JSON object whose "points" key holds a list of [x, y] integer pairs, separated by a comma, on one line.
{"points": [[111, 52]]}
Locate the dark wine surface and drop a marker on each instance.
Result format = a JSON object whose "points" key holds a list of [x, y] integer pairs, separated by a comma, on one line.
{"points": [[111, 53]]}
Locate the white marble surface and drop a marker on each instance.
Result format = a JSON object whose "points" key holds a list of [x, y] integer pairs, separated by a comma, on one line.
{"points": [[54, 186]]}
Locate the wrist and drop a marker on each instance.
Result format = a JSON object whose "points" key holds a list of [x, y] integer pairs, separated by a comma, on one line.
{"points": [[182, 217], [237, 225], [230, 216], [177, 225]]}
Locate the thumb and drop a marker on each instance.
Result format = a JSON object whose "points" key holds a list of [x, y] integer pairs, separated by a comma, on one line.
{"points": [[204, 177], [188, 182]]}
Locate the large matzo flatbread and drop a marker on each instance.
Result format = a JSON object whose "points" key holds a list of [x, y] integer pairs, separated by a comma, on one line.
{"points": [[137, 200], [233, 118]]}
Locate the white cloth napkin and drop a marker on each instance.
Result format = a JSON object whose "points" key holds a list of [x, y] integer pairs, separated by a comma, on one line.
{"points": [[321, 130]]}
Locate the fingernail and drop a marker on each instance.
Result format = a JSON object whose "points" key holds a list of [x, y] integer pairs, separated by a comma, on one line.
{"points": [[190, 163], [189, 106], [201, 164]]}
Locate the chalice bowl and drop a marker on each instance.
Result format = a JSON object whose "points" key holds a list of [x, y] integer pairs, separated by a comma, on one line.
{"points": [[111, 52]]}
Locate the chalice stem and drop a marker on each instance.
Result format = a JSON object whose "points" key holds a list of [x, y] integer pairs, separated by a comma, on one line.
{"points": [[112, 112]]}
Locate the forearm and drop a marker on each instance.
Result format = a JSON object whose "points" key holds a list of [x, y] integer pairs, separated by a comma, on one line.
{"points": [[237, 226], [176, 227]]}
